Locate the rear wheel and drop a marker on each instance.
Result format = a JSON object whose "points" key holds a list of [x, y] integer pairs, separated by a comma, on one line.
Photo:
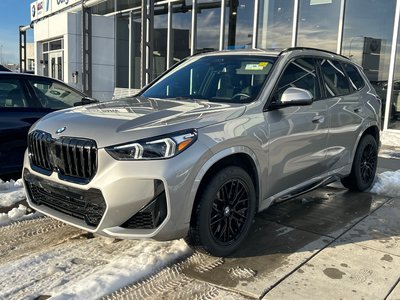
{"points": [[224, 212], [364, 165]]}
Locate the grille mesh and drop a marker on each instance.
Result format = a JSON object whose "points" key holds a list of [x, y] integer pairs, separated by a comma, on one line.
{"points": [[85, 205]]}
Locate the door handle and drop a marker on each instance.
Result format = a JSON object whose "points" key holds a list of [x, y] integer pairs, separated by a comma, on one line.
{"points": [[318, 119], [357, 109]]}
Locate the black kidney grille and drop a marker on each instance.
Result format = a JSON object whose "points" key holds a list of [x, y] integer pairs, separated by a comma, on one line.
{"points": [[38, 144], [75, 159]]}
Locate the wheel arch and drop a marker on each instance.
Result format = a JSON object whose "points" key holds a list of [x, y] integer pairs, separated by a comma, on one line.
{"points": [[371, 129], [239, 156]]}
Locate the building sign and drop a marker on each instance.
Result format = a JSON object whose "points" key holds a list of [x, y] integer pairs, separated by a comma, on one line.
{"points": [[42, 8]]}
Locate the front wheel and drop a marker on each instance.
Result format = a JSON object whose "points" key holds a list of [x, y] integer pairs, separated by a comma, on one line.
{"points": [[224, 212], [364, 165]]}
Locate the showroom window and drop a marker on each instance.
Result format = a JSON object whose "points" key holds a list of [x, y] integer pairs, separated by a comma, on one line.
{"points": [[318, 24], [239, 16], [275, 23], [208, 25], [367, 38]]}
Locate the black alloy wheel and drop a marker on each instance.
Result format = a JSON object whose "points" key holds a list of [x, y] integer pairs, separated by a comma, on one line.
{"points": [[224, 212], [364, 165], [229, 212], [368, 163]]}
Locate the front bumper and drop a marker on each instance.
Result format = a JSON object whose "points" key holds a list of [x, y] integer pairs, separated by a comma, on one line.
{"points": [[126, 199]]}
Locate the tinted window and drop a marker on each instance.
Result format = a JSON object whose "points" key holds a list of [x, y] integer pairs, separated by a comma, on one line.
{"points": [[300, 74], [227, 78], [335, 80], [12, 94], [355, 78], [54, 95]]}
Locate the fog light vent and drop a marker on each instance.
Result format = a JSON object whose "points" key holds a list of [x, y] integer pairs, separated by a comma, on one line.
{"points": [[151, 216]]}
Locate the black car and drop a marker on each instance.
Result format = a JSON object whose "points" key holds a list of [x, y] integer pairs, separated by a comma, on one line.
{"points": [[24, 99], [5, 69]]}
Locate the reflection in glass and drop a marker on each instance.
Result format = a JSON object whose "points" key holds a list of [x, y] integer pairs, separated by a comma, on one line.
{"points": [[318, 24], [275, 23], [104, 7], [160, 40], [367, 36], [208, 25], [239, 16], [394, 112], [122, 51], [181, 26]]}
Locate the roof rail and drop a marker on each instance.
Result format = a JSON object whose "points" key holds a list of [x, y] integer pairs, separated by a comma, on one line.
{"points": [[309, 48], [203, 51]]}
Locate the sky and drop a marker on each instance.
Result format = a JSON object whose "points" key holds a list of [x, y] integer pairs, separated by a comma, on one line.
{"points": [[13, 13]]}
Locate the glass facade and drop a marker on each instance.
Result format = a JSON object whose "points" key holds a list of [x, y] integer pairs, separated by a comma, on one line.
{"points": [[208, 24], [275, 23], [317, 31], [184, 27], [239, 24]]}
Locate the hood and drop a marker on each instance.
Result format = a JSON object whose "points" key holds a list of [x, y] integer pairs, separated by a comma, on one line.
{"points": [[126, 120]]}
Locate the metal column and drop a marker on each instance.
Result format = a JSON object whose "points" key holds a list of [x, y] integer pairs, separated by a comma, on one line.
{"points": [[22, 50], [147, 42], [87, 50], [295, 22]]}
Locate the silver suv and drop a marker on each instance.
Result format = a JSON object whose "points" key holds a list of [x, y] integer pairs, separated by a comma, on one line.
{"points": [[214, 140]]}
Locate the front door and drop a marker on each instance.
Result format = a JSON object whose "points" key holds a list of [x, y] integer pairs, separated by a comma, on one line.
{"points": [[56, 65], [297, 134]]}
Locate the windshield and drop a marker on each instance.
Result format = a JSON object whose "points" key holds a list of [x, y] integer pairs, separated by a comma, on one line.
{"points": [[224, 78]]}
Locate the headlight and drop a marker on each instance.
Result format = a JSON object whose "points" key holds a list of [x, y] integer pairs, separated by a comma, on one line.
{"points": [[155, 148]]}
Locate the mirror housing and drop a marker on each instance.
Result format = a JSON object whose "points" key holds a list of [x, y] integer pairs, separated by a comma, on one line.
{"points": [[295, 97], [85, 100]]}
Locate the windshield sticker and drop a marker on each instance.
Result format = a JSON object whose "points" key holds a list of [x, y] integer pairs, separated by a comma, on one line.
{"points": [[254, 67], [263, 64]]}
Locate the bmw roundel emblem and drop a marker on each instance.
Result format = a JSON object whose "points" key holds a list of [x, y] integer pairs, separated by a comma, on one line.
{"points": [[60, 130]]}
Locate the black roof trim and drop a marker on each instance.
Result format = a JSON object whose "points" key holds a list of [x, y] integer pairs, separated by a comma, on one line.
{"points": [[309, 48]]}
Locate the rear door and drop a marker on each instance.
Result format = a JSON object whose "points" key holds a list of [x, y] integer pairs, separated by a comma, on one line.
{"points": [[297, 134], [18, 111], [345, 111]]}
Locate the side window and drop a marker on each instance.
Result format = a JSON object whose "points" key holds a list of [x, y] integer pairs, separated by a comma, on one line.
{"points": [[300, 73], [335, 80], [54, 95], [355, 78], [12, 93]]}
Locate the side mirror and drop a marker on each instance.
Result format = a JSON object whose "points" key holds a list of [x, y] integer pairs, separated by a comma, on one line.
{"points": [[85, 100], [295, 96]]}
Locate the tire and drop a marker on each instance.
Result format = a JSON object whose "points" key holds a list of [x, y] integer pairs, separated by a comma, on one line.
{"points": [[364, 165], [224, 213]]}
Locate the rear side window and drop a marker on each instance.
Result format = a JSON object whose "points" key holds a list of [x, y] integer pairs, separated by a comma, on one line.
{"points": [[12, 94], [53, 94], [355, 78], [335, 80]]}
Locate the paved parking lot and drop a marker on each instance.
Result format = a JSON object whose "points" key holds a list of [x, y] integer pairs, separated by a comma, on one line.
{"points": [[327, 244]]}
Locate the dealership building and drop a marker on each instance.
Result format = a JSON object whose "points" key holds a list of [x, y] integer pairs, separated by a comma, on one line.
{"points": [[117, 46]]}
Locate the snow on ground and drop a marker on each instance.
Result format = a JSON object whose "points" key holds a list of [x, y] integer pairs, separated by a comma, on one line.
{"points": [[387, 183], [390, 138], [17, 214], [11, 192], [79, 268]]}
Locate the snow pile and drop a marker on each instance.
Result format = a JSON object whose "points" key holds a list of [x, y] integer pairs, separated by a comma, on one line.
{"points": [[16, 214], [11, 192], [387, 183], [80, 268], [144, 259], [390, 138]]}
